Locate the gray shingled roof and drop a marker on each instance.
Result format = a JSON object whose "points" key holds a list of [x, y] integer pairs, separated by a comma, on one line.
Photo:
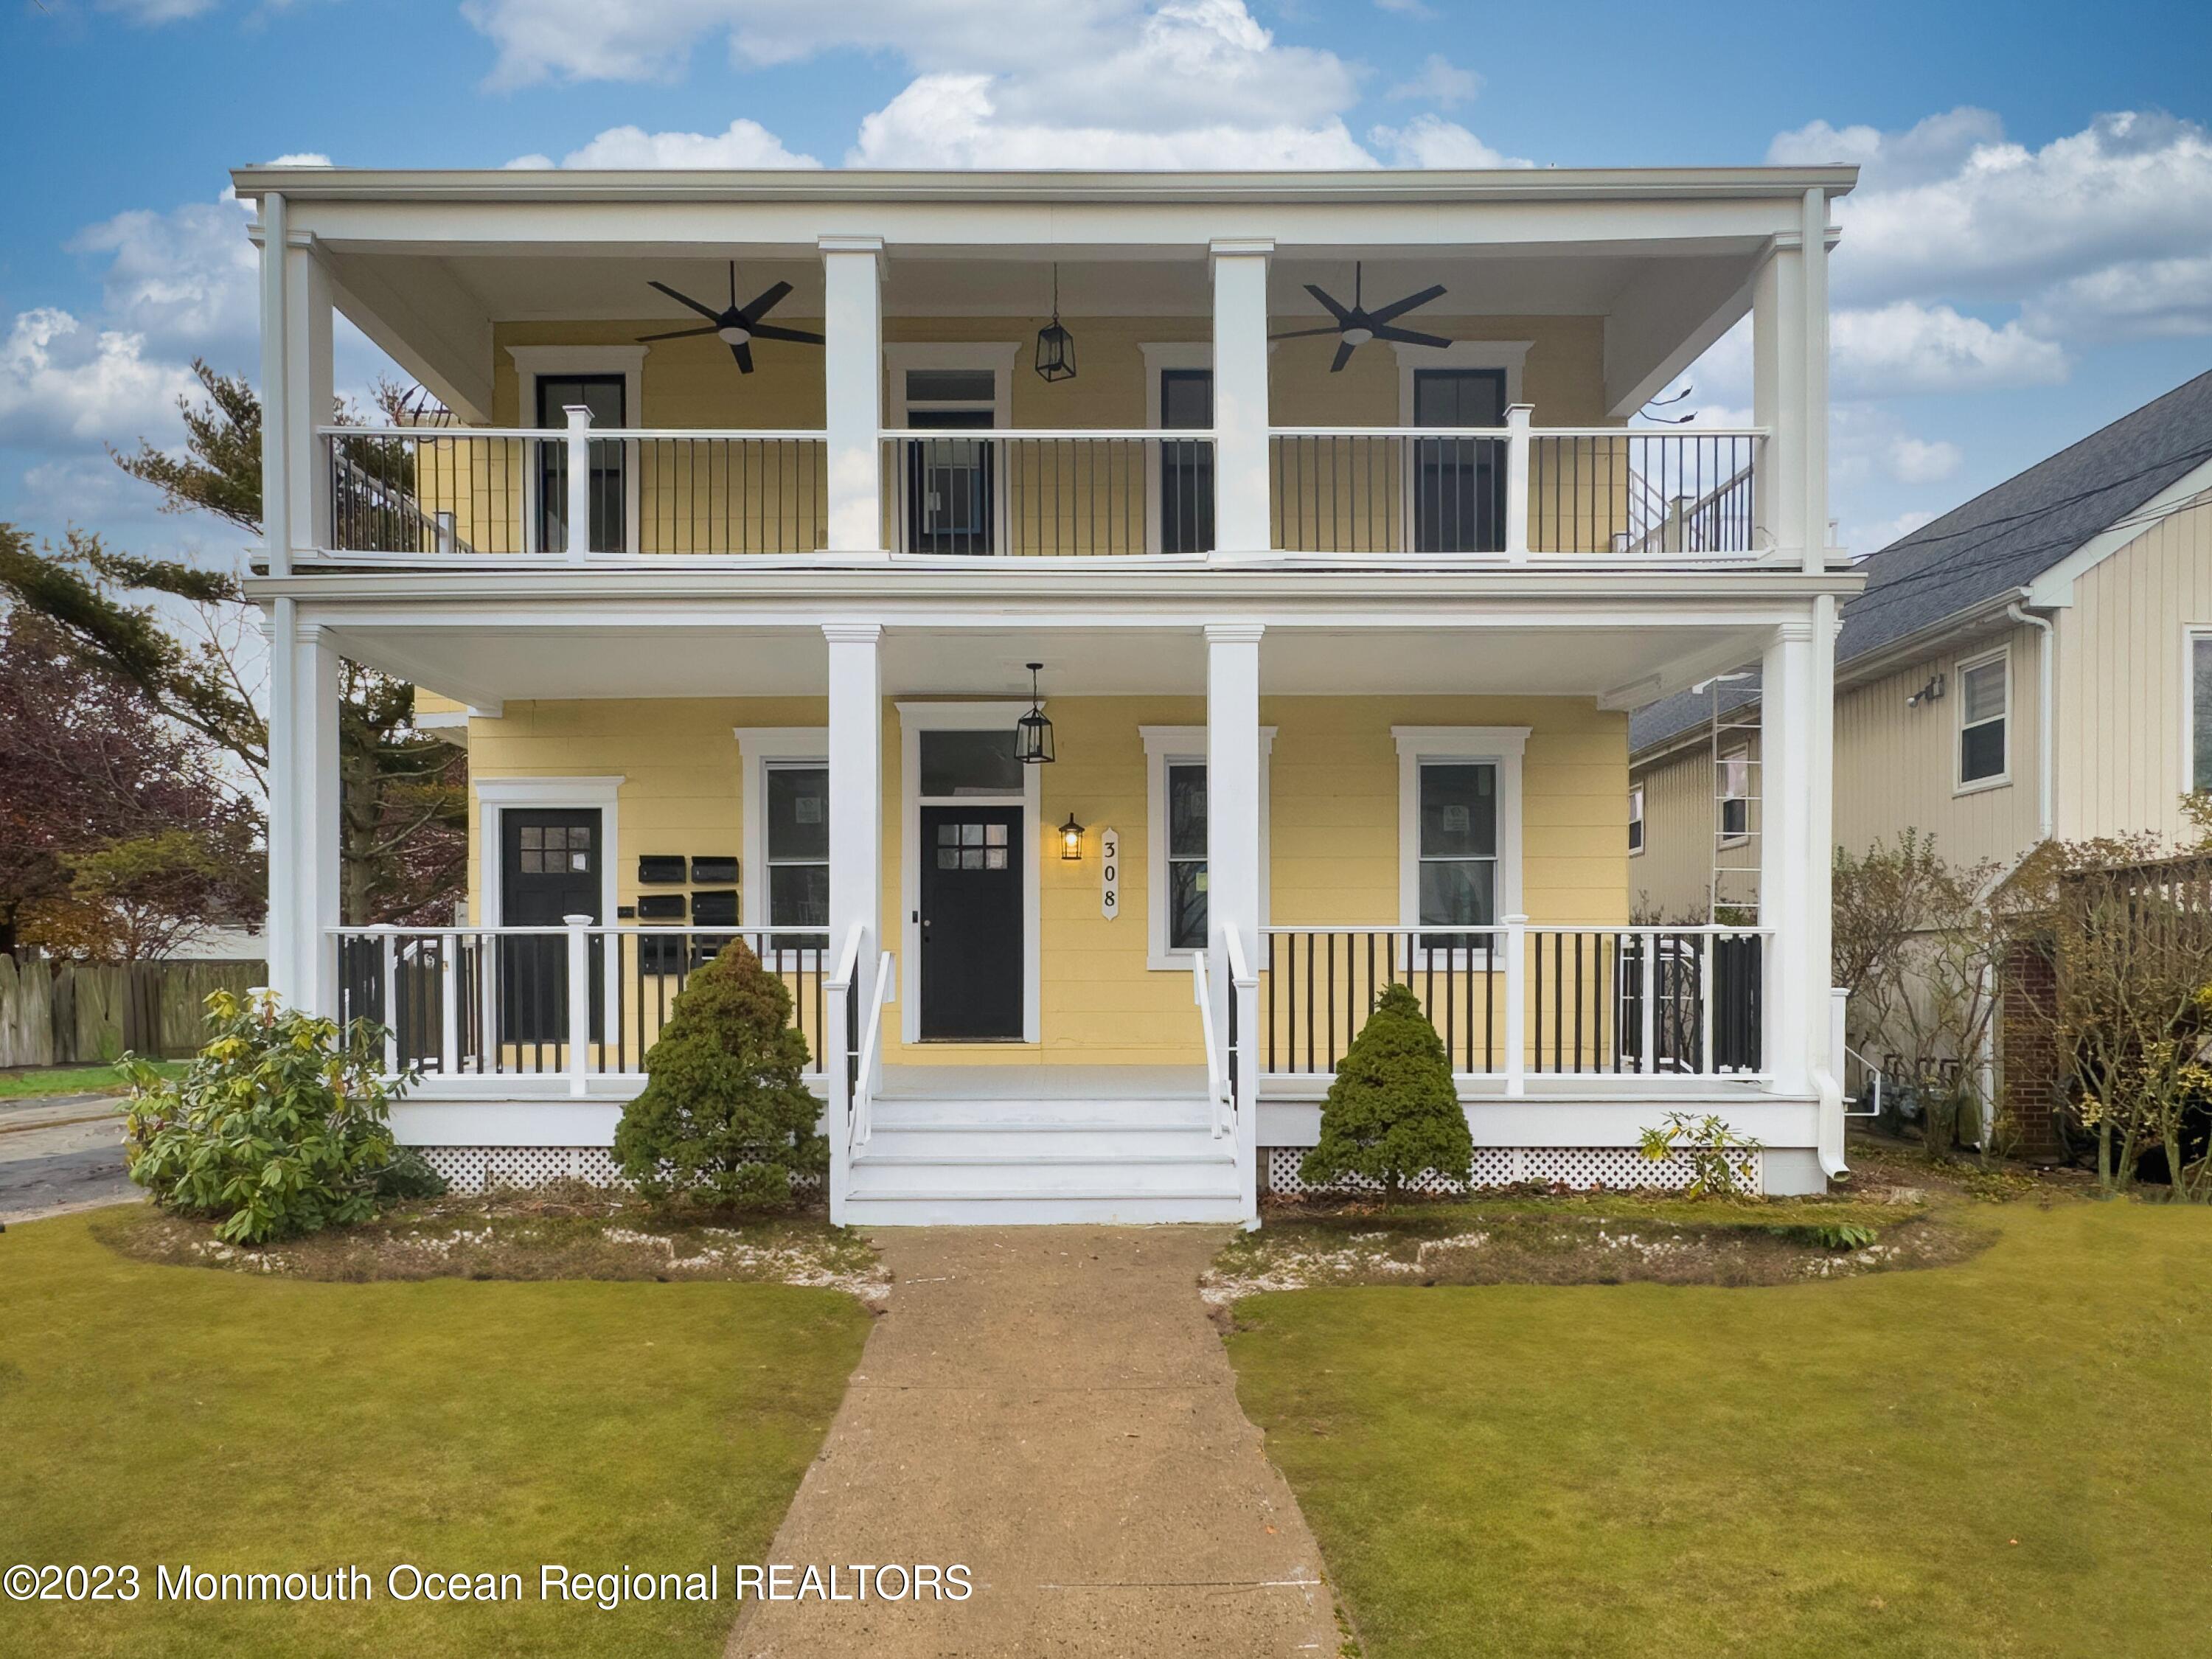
{"points": [[1998, 542]]}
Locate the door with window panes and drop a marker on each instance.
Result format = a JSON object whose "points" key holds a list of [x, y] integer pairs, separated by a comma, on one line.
{"points": [[1459, 484], [1186, 465], [549, 870], [949, 483], [602, 394], [974, 966], [1457, 881]]}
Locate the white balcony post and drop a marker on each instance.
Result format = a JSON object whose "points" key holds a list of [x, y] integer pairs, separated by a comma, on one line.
{"points": [[449, 1005], [1241, 522], [579, 505], [579, 982], [1786, 746], [853, 389], [1648, 1035], [856, 848], [1517, 443], [387, 953], [1517, 991], [1233, 859]]}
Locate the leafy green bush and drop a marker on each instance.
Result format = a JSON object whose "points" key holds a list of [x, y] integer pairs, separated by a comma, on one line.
{"points": [[1392, 1112], [725, 1115], [1721, 1161], [278, 1128]]}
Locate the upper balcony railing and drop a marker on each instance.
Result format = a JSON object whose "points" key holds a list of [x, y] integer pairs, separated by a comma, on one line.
{"points": [[429, 494]]}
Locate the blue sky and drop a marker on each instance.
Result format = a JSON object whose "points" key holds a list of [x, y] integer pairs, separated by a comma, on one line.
{"points": [[2030, 254]]}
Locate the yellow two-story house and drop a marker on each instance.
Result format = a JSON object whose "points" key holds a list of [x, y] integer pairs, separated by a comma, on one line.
{"points": [[1088, 632]]}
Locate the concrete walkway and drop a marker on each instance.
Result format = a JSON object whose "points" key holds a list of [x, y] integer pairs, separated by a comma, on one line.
{"points": [[1051, 1406], [59, 1153]]}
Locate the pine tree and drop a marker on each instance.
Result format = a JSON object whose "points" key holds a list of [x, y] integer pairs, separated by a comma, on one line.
{"points": [[1392, 1112], [725, 1115]]}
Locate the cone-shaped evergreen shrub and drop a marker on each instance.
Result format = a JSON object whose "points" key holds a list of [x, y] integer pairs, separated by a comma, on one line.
{"points": [[724, 1116], [1392, 1112]]}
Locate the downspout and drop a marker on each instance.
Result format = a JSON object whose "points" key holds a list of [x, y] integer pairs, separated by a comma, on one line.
{"points": [[2046, 666]]}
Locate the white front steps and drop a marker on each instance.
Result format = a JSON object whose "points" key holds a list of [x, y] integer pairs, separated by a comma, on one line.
{"points": [[940, 1160]]}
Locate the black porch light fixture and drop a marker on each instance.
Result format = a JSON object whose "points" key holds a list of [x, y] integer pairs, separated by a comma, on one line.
{"points": [[1070, 840], [1055, 351], [1033, 732]]}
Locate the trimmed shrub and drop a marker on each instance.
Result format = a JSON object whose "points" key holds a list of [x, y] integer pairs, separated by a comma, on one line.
{"points": [[1392, 1112], [726, 1116], [279, 1127]]}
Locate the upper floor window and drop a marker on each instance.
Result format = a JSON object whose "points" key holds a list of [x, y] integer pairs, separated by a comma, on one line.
{"points": [[2200, 711], [1985, 702], [1736, 794], [1636, 819]]}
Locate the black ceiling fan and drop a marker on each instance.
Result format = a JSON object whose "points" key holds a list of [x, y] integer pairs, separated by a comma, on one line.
{"points": [[737, 326], [1356, 325]]}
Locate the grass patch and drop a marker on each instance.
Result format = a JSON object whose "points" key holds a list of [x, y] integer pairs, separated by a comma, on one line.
{"points": [[1976, 1461], [74, 1080], [157, 1414]]}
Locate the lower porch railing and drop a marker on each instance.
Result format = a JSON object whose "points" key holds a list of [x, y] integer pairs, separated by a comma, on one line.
{"points": [[1514, 1000], [462, 1002]]}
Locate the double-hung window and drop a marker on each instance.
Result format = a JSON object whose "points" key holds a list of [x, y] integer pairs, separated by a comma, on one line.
{"points": [[797, 846], [1736, 794], [1636, 819], [2200, 711], [1458, 878], [1175, 842], [1985, 702], [1186, 856]]}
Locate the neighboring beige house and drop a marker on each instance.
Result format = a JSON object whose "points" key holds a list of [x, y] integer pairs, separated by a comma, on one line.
{"points": [[2037, 663]]}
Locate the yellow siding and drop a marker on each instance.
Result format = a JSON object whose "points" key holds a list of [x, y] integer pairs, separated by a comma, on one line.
{"points": [[2122, 688], [1333, 846]]}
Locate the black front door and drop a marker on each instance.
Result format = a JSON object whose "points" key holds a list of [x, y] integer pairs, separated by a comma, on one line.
{"points": [[1459, 484], [971, 923], [1186, 467], [549, 868]]}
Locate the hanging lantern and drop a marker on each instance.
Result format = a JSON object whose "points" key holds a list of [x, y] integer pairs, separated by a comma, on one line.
{"points": [[1055, 352], [1070, 840], [1033, 732]]}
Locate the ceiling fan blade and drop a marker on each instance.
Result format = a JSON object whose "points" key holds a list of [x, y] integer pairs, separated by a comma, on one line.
{"points": [[1304, 333], [705, 311], [744, 354], [1399, 307], [771, 331], [1340, 312], [677, 334], [1343, 356], [765, 301], [1406, 337]]}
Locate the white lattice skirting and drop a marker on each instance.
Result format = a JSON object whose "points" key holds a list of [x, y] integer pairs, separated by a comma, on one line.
{"points": [[482, 1169], [1583, 1169]]}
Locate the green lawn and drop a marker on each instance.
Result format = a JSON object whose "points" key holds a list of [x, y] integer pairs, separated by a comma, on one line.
{"points": [[183, 1414], [73, 1079], [2011, 1457]]}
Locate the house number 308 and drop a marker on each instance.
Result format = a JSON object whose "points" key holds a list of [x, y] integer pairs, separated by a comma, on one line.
{"points": [[1109, 873]]}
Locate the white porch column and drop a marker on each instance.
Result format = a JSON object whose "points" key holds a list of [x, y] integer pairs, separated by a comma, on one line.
{"points": [[275, 381], [1827, 1060], [1233, 859], [310, 397], [1792, 867], [303, 821], [852, 384], [1790, 385], [1241, 521]]}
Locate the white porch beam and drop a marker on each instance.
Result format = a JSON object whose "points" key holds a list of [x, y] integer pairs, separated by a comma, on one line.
{"points": [[852, 386], [1241, 503]]}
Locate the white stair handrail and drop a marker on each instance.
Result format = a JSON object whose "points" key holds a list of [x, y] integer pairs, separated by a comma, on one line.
{"points": [[862, 1123], [1217, 1071]]}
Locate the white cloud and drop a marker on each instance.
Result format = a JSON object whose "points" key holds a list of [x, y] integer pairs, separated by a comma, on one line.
{"points": [[300, 158], [57, 384], [1904, 347], [2139, 299], [185, 279], [1405, 7], [1913, 461], [1440, 82], [157, 11], [1871, 538], [1429, 141], [743, 144]]}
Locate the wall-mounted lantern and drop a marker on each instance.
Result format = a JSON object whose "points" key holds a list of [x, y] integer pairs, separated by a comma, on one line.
{"points": [[1070, 840]]}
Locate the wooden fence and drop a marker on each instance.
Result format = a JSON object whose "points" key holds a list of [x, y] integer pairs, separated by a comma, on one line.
{"points": [[80, 1013]]}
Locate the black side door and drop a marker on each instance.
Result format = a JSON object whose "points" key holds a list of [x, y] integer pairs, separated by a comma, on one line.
{"points": [[1459, 484], [972, 959], [602, 394], [549, 868], [948, 485]]}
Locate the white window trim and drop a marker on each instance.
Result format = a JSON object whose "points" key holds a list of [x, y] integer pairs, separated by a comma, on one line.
{"points": [[914, 719], [495, 796], [2191, 634], [1721, 798], [1637, 803], [1160, 356], [1507, 355], [760, 747], [534, 364], [1503, 746], [2003, 776], [1167, 746]]}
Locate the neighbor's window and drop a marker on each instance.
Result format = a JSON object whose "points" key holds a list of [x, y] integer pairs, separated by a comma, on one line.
{"points": [[1636, 819], [1736, 794], [1984, 693], [799, 846], [1458, 845], [1186, 782], [2200, 730]]}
